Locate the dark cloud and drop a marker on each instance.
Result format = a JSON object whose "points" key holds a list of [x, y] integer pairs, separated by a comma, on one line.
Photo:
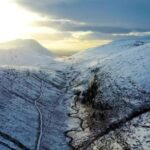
{"points": [[118, 13], [68, 25], [104, 18]]}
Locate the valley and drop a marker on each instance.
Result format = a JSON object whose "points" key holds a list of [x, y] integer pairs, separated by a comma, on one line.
{"points": [[98, 99]]}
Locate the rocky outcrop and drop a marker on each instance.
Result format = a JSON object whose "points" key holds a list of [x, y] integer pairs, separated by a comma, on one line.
{"points": [[105, 125], [114, 98]]}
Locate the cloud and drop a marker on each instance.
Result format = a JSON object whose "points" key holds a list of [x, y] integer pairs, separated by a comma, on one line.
{"points": [[115, 13], [73, 26], [51, 36], [81, 24]]}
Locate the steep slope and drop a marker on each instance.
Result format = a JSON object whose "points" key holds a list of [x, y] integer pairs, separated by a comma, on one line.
{"points": [[112, 89], [33, 109], [33, 98]]}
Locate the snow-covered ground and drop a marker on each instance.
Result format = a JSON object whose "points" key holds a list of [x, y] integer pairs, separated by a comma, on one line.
{"points": [[119, 74], [27, 53], [33, 93], [98, 98]]}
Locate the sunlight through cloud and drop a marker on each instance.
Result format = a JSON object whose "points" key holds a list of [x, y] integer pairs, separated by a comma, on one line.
{"points": [[15, 21]]}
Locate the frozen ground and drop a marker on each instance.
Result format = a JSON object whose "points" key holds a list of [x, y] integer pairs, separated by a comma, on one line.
{"points": [[33, 96], [114, 87], [98, 99]]}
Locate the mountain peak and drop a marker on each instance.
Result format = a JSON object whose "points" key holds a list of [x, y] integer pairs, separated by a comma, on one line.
{"points": [[24, 53], [28, 45]]}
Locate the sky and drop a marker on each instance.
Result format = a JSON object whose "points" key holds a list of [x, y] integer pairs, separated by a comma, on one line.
{"points": [[67, 26]]}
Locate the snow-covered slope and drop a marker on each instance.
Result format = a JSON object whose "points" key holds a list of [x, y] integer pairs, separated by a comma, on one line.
{"points": [[33, 97], [124, 59], [24, 53], [99, 98], [115, 80]]}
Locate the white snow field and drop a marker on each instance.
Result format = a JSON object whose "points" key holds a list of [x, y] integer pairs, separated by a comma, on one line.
{"points": [[98, 99]]}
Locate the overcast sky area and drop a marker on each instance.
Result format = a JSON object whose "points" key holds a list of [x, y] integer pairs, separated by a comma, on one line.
{"points": [[73, 25]]}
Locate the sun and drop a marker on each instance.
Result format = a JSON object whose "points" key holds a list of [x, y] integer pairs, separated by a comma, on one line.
{"points": [[15, 22]]}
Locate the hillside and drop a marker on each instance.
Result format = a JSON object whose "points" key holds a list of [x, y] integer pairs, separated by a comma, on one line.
{"points": [[114, 88], [24, 53], [98, 99]]}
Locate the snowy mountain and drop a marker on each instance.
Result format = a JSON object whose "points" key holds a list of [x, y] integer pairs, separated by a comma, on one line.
{"points": [[33, 92], [95, 99], [24, 53], [114, 87]]}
